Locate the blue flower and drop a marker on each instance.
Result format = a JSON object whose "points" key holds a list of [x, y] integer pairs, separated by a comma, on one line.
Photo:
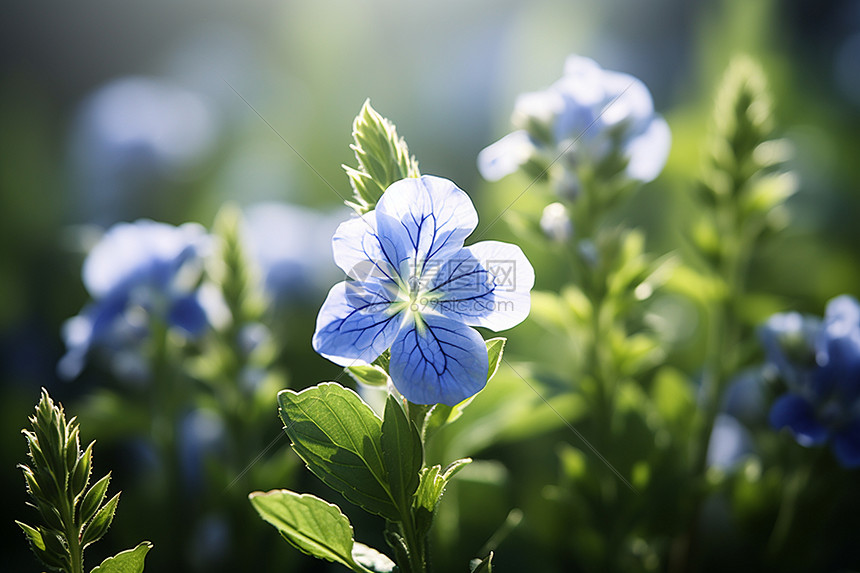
{"points": [[417, 291], [592, 119], [138, 271], [820, 362], [730, 442], [132, 135]]}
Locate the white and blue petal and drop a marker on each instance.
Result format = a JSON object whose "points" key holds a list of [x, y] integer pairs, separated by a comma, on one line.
{"points": [[424, 219], [505, 156], [435, 360], [361, 253], [487, 284], [356, 323], [648, 151]]}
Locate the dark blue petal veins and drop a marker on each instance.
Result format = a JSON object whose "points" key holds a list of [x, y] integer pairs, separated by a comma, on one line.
{"points": [[356, 323], [438, 360]]}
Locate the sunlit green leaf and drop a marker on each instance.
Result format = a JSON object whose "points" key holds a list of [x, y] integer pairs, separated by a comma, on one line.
{"points": [[99, 525], [370, 374], [495, 350], [340, 439], [33, 535], [311, 525], [402, 453], [93, 499], [372, 559], [129, 561], [382, 157], [672, 395]]}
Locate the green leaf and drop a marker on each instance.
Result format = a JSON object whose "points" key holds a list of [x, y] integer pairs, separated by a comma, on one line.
{"points": [[99, 525], [402, 453], [769, 191], [482, 565], [128, 561], [81, 473], [495, 350], [372, 559], [313, 526], [340, 439], [370, 375], [674, 398], [36, 540], [33, 535], [382, 157], [433, 481], [93, 498]]}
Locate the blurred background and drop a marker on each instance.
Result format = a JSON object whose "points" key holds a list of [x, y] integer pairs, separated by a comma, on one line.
{"points": [[118, 111]]}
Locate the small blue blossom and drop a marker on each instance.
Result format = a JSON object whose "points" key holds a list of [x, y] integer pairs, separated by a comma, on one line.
{"points": [[416, 290], [138, 271], [591, 118], [730, 442], [820, 362]]}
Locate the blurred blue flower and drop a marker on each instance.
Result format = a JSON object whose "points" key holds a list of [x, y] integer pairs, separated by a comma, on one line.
{"points": [[789, 343], [592, 119], [820, 362], [137, 272], [290, 246], [745, 398], [416, 290], [555, 223], [730, 443], [201, 435], [132, 133]]}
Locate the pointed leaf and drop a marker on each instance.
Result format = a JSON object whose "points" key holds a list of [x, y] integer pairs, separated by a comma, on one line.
{"points": [[382, 157], [81, 472], [433, 481], [339, 438], [313, 526], [54, 544], [454, 467], [482, 565], [128, 561], [99, 525], [33, 535], [46, 546], [93, 498], [495, 350], [402, 453], [372, 559], [370, 375]]}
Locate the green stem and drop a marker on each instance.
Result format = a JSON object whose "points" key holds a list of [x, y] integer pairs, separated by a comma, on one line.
{"points": [[73, 532], [164, 408], [723, 357], [788, 508], [417, 545], [588, 213]]}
